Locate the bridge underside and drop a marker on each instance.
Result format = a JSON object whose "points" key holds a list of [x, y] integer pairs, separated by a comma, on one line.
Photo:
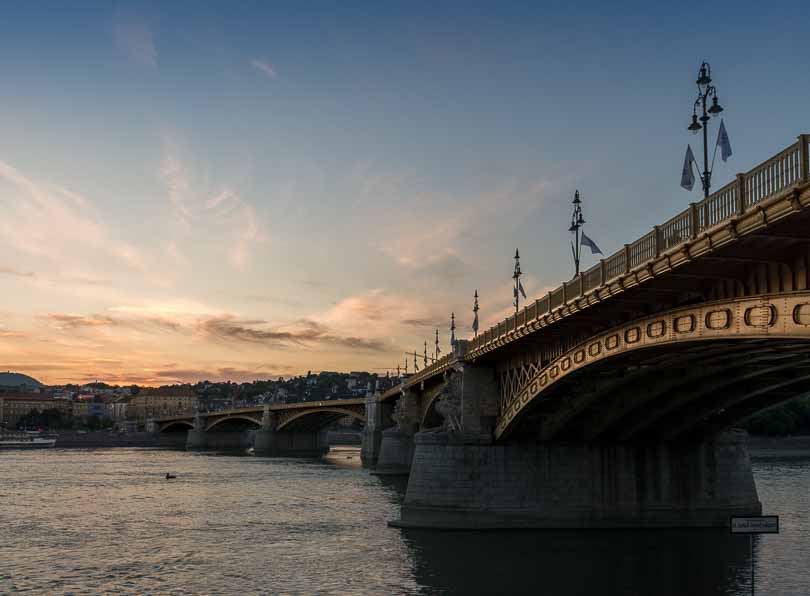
{"points": [[686, 392]]}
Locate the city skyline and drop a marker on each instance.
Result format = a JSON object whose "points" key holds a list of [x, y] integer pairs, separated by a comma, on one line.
{"points": [[266, 192]]}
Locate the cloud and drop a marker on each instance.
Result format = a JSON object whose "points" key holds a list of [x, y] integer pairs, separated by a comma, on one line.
{"points": [[6, 332], [305, 333], [137, 41], [46, 220], [15, 272], [427, 230], [224, 211], [176, 178], [229, 208], [70, 321], [264, 67], [382, 315]]}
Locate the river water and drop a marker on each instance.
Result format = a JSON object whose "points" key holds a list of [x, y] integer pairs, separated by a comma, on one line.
{"points": [[106, 521]]}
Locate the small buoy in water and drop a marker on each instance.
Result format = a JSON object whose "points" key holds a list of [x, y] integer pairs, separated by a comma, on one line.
{"points": [[170, 476]]}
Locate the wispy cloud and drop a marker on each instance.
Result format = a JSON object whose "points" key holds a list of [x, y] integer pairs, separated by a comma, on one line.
{"points": [[71, 321], [46, 220], [227, 206], [305, 333], [225, 210], [176, 178], [264, 67], [15, 272], [137, 41]]}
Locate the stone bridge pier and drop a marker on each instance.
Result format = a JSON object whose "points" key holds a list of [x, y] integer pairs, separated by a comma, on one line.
{"points": [[461, 478], [397, 443], [378, 418]]}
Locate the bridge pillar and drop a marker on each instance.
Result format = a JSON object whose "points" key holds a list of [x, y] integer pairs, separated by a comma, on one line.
{"points": [[195, 439], [457, 484], [396, 445], [378, 418]]}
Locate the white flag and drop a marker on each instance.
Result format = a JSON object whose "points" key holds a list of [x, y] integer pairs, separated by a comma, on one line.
{"points": [[687, 175], [722, 140], [585, 241], [475, 323]]}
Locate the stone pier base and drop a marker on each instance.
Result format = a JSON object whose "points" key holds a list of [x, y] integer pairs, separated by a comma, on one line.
{"points": [[370, 448], [197, 440], [396, 453], [290, 444], [458, 485]]}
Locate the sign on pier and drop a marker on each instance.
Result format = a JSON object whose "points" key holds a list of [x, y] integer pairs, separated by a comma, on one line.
{"points": [[755, 524]]}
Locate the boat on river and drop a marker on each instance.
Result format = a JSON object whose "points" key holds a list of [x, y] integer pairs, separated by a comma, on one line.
{"points": [[25, 440]]}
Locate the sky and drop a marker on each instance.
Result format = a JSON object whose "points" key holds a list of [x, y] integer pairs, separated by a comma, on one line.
{"points": [[234, 191]]}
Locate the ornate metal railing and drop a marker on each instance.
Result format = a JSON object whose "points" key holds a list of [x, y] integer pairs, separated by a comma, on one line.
{"points": [[784, 170]]}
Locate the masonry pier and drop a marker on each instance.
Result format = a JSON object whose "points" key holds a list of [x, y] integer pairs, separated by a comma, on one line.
{"points": [[455, 484], [397, 445], [461, 478], [378, 418]]}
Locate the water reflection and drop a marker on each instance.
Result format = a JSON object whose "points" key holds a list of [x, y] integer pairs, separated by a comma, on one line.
{"points": [[591, 562]]}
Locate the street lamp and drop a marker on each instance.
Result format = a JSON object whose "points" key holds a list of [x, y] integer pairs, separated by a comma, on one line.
{"points": [[705, 91], [577, 221]]}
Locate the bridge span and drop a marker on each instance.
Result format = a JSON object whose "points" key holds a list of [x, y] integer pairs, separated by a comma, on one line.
{"points": [[612, 400], [277, 429]]}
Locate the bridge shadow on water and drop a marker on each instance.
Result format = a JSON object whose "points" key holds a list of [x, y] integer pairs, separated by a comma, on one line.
{"points": [[563, 563]]}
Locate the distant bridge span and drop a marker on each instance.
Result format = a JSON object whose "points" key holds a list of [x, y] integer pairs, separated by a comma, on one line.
{"points": [[300, 416]]}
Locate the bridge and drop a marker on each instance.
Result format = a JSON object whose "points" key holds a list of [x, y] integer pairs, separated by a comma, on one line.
{"points": [[277, 429], [612, 400]]}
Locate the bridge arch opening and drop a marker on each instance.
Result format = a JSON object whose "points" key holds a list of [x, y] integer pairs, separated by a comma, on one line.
{"points": [[233, 423], [176, 427], [318, 419]]}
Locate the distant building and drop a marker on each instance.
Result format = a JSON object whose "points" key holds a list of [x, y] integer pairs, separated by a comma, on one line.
{"points": [[14, 406], [152, 403]]}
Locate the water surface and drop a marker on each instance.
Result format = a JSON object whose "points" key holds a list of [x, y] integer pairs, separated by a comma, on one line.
{"points": [[106, 521]]}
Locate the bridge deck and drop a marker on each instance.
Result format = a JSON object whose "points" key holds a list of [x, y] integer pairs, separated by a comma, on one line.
{"points": [[770, 192]]}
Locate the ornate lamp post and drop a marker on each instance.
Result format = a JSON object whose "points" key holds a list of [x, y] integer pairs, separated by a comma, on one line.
{"points": [[516, 276], [705, 91], [452, 330], [577, 221]]}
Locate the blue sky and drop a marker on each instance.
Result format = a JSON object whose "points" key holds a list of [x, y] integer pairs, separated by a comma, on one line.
{"points": [[245, 189]]}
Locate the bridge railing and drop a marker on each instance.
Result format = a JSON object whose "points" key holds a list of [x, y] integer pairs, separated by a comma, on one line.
{"points": [[785, 169]]}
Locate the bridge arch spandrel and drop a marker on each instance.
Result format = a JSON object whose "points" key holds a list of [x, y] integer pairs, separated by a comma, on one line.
{"points": [[317, 418], [771, 317], [238, 418]]}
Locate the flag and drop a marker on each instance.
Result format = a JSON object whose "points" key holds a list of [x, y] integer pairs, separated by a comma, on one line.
{"points": [[723, 142], [475, 323], [522, 291], [687, 175], [585, 241]]}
